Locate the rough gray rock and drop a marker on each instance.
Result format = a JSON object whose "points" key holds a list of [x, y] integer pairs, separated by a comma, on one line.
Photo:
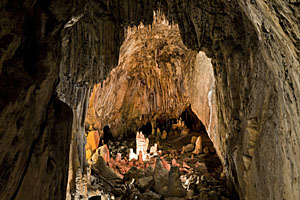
{"points": [[160, 177], [175, 188], [149, 195], [145, 182]]}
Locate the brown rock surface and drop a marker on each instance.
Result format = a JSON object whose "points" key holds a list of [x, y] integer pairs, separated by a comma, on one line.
{"points": [[198, 146], [254, 46], [93, 139], [149, 74]]}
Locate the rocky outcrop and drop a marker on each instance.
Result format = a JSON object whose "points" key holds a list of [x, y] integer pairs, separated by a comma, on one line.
{"points": [[254, 46], [147, 84], [156, 79], [199, 82]]}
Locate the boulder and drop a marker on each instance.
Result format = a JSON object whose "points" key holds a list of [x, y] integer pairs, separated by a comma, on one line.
{"points": [[104, 152], [189, 148], [101, 169], [93, 139], [160, 177], [213, 195], [150, 195], [175, 188], [133, 173], [145, 182]]}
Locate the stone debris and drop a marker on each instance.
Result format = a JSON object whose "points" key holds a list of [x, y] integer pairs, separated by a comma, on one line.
{"points": [[206, 150], [117, 172], [188, 148]]}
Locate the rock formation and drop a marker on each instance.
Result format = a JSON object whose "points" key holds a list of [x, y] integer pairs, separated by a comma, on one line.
{"points": [[198, 146], [149, 74], [254, 46]]}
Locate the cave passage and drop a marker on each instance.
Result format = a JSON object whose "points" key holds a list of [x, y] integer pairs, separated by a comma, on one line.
{"points": [[146, 129], [192, 121], [152, 143], [182, 163]]}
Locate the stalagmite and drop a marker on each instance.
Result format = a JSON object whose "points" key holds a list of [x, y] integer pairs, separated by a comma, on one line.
{"points": [[164, 135], [198, 147], [194, 139], [132, 155], [141, 144], [153, 150], [158, 133]]}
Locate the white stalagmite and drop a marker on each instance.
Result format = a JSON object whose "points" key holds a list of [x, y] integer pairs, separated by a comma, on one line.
{"points": [[153, 150], [132, 155], [141, 144]]}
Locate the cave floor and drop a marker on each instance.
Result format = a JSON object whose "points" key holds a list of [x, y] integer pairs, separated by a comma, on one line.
{"points": [[211, 160], [201, 175]]}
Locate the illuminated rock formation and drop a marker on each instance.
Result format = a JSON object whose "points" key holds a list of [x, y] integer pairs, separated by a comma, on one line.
{"points": [[142, 144], [150, 74], [93, 139]]}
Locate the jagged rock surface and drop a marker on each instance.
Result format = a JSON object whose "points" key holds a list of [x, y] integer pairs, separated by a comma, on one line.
{"points": [[147, 84], [255, 51], [254, 46]]}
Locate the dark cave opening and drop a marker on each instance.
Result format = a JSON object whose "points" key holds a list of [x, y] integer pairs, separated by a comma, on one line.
{"points": [[192, 121], [107, 135], [146, 129]]}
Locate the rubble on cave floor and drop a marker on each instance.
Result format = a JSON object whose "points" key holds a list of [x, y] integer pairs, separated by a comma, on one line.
{"points": [[185, 166]]}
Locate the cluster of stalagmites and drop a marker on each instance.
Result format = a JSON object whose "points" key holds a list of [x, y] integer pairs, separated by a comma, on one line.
{"points": [[93, 139], [154, 172]]}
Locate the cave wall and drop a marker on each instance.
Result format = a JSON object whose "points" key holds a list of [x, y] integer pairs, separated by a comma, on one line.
{"points": [[32, 155], [90, 44], [199, 82], [254, 46]]}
